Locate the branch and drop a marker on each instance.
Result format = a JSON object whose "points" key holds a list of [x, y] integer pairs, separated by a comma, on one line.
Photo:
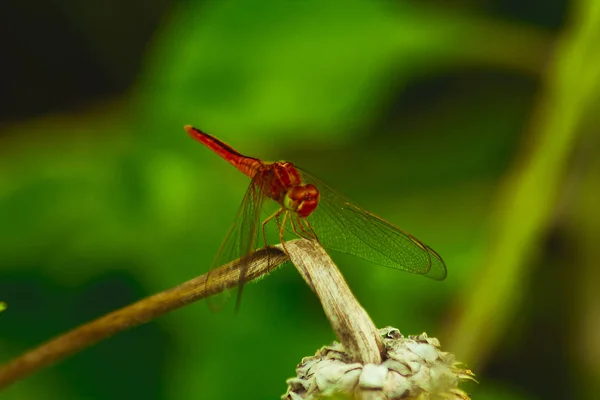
{"points": [[263, 261], [349, 320], [355, 366]]}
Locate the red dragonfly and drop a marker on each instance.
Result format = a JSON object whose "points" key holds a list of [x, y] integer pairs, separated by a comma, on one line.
{"points": [[312, 210]]}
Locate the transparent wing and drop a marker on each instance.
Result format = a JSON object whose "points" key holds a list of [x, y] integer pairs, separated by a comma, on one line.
{"points": [[241, 240], [347, 228]]}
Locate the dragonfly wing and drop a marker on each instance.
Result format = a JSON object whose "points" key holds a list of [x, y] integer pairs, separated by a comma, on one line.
{"points": [[345, 227], [240, 240]]}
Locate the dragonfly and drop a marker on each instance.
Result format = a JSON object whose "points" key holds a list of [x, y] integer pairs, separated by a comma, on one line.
{"points": [[311, 209]]}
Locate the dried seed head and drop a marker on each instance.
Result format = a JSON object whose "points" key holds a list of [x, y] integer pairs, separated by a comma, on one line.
{"points": [[414, 367]]}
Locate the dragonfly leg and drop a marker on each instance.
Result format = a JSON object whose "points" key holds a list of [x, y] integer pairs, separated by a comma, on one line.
{"points": [[294, 227], [266, 221], [305, 228], [264, 229], [297, 223], [281, 227], [308, 229]]}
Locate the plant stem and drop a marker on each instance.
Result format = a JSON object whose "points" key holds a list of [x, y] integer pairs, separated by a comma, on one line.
{"points": [[262, 262]]}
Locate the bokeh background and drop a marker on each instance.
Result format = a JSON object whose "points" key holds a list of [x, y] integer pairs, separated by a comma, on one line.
{"points": [[473, 125]]}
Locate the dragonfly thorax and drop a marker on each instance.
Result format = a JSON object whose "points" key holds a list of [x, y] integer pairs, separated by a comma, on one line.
{"points": [[286, 187]]}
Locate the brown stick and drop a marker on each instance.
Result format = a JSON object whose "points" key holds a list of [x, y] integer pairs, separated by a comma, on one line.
{"points": [[348, 319], [263, 261]]}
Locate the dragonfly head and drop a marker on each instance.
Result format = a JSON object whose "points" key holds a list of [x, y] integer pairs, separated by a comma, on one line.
{"points": [[302, 199]]}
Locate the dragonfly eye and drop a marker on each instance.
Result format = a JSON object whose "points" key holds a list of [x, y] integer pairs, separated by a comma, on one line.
{"points": [[303, 199], [304, 193]]}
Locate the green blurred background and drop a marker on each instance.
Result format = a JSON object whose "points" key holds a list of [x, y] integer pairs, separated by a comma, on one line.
{"points": [[473, 125]]}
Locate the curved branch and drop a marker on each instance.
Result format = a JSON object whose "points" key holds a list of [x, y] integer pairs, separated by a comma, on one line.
{"points": [[349, 320], [262, 262]]}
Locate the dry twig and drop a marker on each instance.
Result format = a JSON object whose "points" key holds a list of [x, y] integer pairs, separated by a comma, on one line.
{"points": [[223, 278]]}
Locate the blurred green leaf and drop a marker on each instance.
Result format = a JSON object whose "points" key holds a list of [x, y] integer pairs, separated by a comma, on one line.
{"points": [[309, 67], [527, 204]]}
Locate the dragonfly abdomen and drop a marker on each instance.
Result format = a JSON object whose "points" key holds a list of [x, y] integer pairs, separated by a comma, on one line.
{"points": [[247, 165]]}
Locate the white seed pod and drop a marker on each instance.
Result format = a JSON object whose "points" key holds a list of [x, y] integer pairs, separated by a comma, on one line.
{"points": [[414, 367]]}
